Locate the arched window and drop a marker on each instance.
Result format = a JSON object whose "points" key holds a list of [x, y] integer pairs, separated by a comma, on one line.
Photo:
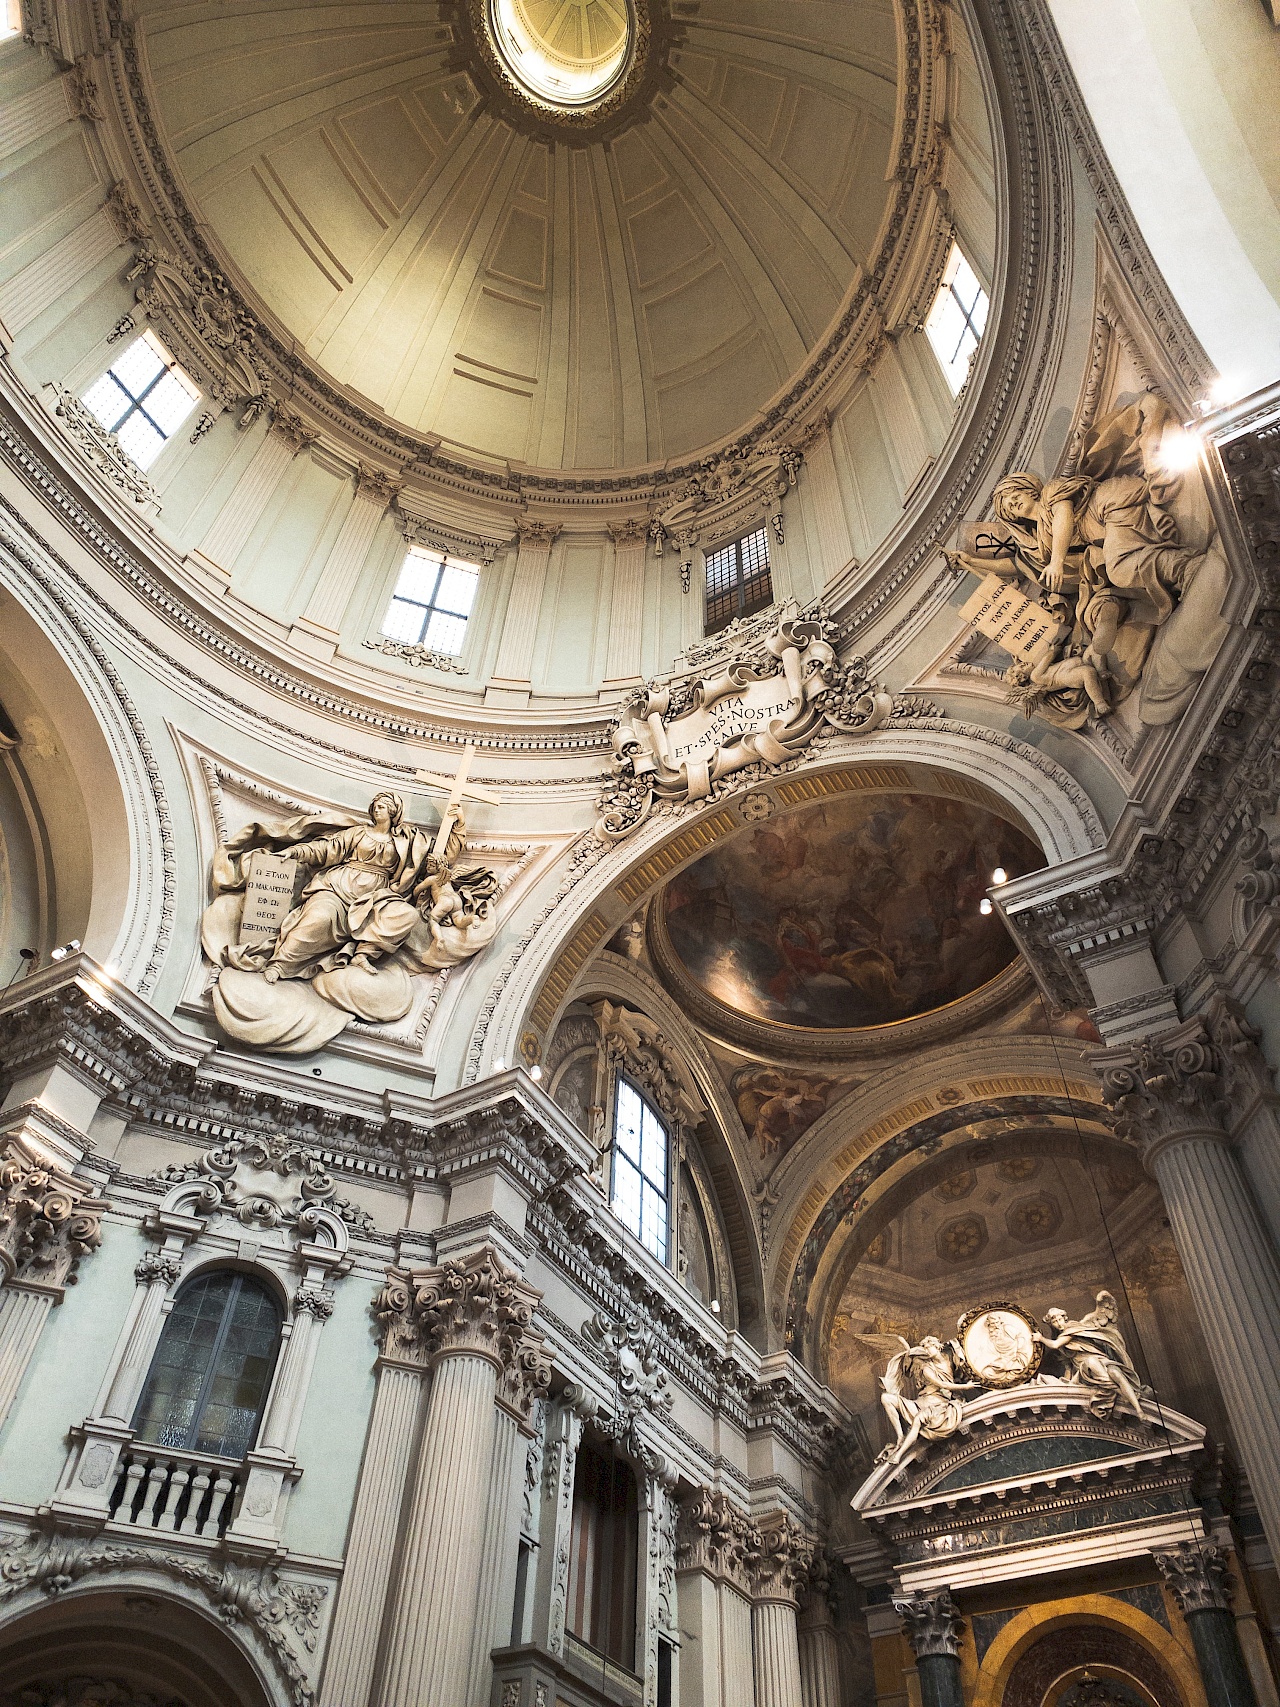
{"points": [[639, 1188], [210, 1374]]}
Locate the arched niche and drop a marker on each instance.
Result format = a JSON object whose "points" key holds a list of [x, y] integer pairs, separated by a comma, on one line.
{"points": [[148, 1642], [82, 801], [1042, 1651]]}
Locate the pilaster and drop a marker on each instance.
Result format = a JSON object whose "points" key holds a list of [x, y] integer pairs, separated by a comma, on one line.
{"points": [[626, 608], [25, 296], [318, 630], [287, 436], [511, 681]]}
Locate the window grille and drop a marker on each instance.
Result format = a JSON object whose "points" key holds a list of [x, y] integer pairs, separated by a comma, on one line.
{"points": [[209, 1377], [638, 1192], [738, 580], [957, 319], [604, 1546], [143, 398], [432, 601]]}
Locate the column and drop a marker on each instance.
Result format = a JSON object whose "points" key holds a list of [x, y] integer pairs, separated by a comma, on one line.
{"points": [[393, 1429], [523, 1384], [318, 629], [819, 1655], [781, 1567], [626, 608], [48, 1222], [511, 681], [1196, 1576], [933, 1626], [1170, 1092], [287, 434], [714, 1543], [474, 1311]]}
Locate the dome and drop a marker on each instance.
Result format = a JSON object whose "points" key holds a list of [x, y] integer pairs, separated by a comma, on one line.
{"points": [[615, 255]]}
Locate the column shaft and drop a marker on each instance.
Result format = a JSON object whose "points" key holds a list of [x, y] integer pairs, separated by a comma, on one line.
{"points": [[353, 1641], [429, 1641], [497, 1567], [332, 592], [1234, 1278], [626, 609], [1226, 1677], [819, 1667], [776, 1650], [42, 281], [834, 540], [22, 1318], [939, 1676]]}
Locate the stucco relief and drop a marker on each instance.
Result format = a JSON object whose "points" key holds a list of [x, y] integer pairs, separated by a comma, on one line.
{"points": [[324, 919], [1125, 572]]}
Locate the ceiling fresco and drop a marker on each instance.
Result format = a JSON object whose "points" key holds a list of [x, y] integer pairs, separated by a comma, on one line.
{"points": [[853, 913]]}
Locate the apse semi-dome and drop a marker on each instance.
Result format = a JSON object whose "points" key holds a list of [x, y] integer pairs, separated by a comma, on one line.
{"points": [[853, 913], [596, 289]]}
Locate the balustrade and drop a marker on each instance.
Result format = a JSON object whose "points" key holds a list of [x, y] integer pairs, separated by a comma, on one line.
{"points": [[183, 1493]]}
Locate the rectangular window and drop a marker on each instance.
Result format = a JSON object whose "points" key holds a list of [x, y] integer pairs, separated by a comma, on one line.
{"points": [[432, 601], [10, 18], [738, 580], [604, 1547], [957, 319], [143, 398], [638, 1196]]}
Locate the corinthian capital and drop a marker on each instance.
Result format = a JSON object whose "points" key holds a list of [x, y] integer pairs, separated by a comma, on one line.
{"points": [[474, 1304], [931, 1623], [1166, 1085], [783, 1557], [714, 1536], [48, 1221], [1196, 1576], [526, 1376]]}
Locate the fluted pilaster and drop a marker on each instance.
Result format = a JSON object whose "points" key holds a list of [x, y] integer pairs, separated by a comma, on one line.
{"points": [[22, 1318], [514, 665], [819, 1666]]}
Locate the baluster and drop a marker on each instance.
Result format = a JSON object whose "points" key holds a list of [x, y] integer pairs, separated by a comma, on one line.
{"points": [[134, 1473], [221, 1488], [199, 1488], [155, 1481], [177, 1482]]}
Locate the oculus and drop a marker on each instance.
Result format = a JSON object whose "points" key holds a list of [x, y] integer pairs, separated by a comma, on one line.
{"points": [[565, 55]]}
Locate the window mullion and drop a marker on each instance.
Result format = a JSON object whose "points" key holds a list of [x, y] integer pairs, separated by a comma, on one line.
{"points": [[211, 1367]]}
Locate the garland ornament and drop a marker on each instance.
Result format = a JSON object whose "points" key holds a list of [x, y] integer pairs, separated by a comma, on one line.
{"points": [[675, 741]]}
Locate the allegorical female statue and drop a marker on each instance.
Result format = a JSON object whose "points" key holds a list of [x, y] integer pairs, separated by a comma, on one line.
{"points": [[1096, 1354], [1105, 551], [377, 903]]}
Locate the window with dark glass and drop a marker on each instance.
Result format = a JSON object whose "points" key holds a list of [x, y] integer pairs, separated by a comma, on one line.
{"points": [[738, 580], [638, 1190], [605, 1539], [209, 1377]]}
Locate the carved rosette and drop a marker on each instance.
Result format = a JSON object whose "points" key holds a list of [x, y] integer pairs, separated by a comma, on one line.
{"points": [[48, 1221], [1196, 1576], [932, 1624]]}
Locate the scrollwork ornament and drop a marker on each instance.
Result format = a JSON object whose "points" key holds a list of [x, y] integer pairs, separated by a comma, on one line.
{"points": [[1166, 1085], [48, 1222]]}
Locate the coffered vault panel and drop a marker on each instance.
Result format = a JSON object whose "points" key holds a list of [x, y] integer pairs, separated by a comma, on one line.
{"points": [[614, 302]]}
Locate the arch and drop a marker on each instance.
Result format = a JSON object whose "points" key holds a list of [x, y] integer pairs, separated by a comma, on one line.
{"points": [[149, 1639], [1131, 1632], [91, 779], [608, 885]]}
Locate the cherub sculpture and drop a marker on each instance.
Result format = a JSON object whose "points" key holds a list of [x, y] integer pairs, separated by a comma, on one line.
{"points": [[378, 902], [1098, 1357], [933, 1412], [1062, 680]]}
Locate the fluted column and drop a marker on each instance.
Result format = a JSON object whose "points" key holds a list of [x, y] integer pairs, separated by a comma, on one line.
{"points": [[1196, 1576], [781, 1566], [933, 1627], [714, 1544], [523, 1382], [1171, 1093], [286, 436], [393, 1430], [475, 1312], [513, 670], [318, 629], [819, 1656], [154, 1275], [626, 608]]}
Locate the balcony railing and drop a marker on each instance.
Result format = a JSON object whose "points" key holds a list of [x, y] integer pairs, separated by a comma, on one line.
{"points": [[183, 1493]]}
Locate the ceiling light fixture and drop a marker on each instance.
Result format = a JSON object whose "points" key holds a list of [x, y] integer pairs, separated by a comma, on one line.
{"points": [[999, 875], [985, 906]]}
